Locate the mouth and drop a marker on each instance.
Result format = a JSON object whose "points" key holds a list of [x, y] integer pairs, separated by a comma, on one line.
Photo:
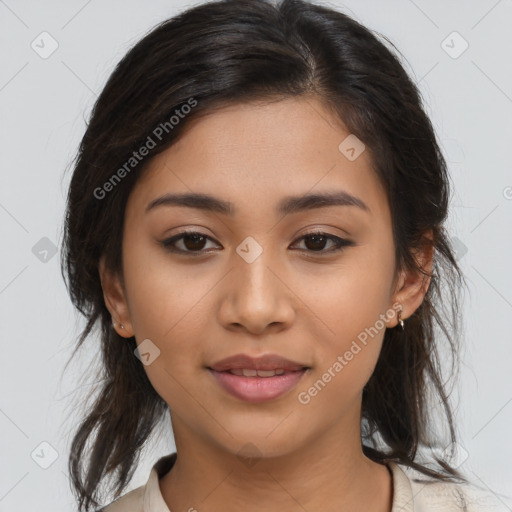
{"points": [[256, 386], [250, 372]]}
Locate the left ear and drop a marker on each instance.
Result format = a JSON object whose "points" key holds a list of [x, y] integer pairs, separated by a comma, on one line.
{"points": [[412, 285]]}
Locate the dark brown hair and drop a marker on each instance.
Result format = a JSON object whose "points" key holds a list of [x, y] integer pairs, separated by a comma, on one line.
{"points": [[233, 51]]}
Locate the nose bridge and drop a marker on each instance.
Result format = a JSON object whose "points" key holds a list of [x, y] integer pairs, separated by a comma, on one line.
{"points": [[254, 281], [258, 296]]}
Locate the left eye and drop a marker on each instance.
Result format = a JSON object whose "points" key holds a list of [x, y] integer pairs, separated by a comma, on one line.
{"points": [[193, 242], [318, 241]]}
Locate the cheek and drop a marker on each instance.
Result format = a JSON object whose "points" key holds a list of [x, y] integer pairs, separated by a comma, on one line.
{"points": [[350, 297], [345, 363], [349, 309], [171, 311], [176, 336], [164, 296]]}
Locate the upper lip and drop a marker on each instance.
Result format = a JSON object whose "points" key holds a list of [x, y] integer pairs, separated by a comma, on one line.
{"points": [[266, 362]]}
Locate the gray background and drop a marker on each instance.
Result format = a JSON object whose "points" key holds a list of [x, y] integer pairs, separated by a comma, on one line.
{"points": [[43, 106]]}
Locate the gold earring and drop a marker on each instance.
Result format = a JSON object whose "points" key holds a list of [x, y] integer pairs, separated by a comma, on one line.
{"points": [[120, 325], [400, 321]]}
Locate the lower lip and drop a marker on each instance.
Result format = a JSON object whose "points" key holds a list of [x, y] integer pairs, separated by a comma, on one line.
{"points": [[257, 389]]}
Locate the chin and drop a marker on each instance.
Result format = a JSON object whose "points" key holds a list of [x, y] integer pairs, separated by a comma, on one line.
{"points": [[261, 445]]}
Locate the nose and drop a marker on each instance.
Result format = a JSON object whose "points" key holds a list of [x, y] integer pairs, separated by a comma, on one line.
{"points": [[257, 297]]}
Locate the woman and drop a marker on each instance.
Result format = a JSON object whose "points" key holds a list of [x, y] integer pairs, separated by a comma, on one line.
{"points": [[256, 220]]}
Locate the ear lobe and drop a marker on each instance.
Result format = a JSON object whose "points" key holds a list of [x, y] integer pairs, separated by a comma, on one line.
{"points": [[413, 285], [115, 299]]}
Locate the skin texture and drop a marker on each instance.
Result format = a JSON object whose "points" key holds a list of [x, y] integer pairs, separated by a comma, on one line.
{"points": [[306, 305]]}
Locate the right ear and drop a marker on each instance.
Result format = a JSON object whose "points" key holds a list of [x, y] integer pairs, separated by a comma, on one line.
{"points": [[115, 300]]}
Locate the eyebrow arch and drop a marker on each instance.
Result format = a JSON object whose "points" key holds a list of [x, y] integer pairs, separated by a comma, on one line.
{"points": [[288, 205]]}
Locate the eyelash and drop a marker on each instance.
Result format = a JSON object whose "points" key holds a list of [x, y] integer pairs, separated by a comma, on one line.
{"points": [[341, 243]]}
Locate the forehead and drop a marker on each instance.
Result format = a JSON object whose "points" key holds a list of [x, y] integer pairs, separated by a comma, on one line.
{"points": [[255, 153]]}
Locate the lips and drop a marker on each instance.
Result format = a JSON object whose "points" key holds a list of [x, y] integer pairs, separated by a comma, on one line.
{"points": [[257, 379], [264, 363]]}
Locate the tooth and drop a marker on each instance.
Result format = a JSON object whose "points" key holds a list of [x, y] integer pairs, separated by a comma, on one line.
{"points": [[256, 373], [266, 373]]}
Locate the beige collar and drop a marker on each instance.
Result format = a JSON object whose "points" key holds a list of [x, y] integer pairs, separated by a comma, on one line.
{"points": [[402, 490]]}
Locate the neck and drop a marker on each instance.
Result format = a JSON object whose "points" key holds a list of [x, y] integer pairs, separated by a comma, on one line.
{"points": [[328, 474]]}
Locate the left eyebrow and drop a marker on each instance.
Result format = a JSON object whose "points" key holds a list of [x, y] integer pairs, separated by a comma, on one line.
{"points": [[288, 205], [293, 204]]}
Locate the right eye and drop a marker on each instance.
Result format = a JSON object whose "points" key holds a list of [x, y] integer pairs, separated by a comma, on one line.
{"points": [[192, 242]]}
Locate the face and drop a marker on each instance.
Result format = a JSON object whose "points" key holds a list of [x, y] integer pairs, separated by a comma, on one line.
{"points": [[255, 279]]}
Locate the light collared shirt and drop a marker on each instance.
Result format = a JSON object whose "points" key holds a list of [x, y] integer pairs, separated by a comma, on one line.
{"points": [[412, 492]]}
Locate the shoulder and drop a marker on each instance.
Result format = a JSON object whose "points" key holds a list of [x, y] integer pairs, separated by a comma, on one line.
{"points": [[431, 495], [132, 501], [146, 497]]}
